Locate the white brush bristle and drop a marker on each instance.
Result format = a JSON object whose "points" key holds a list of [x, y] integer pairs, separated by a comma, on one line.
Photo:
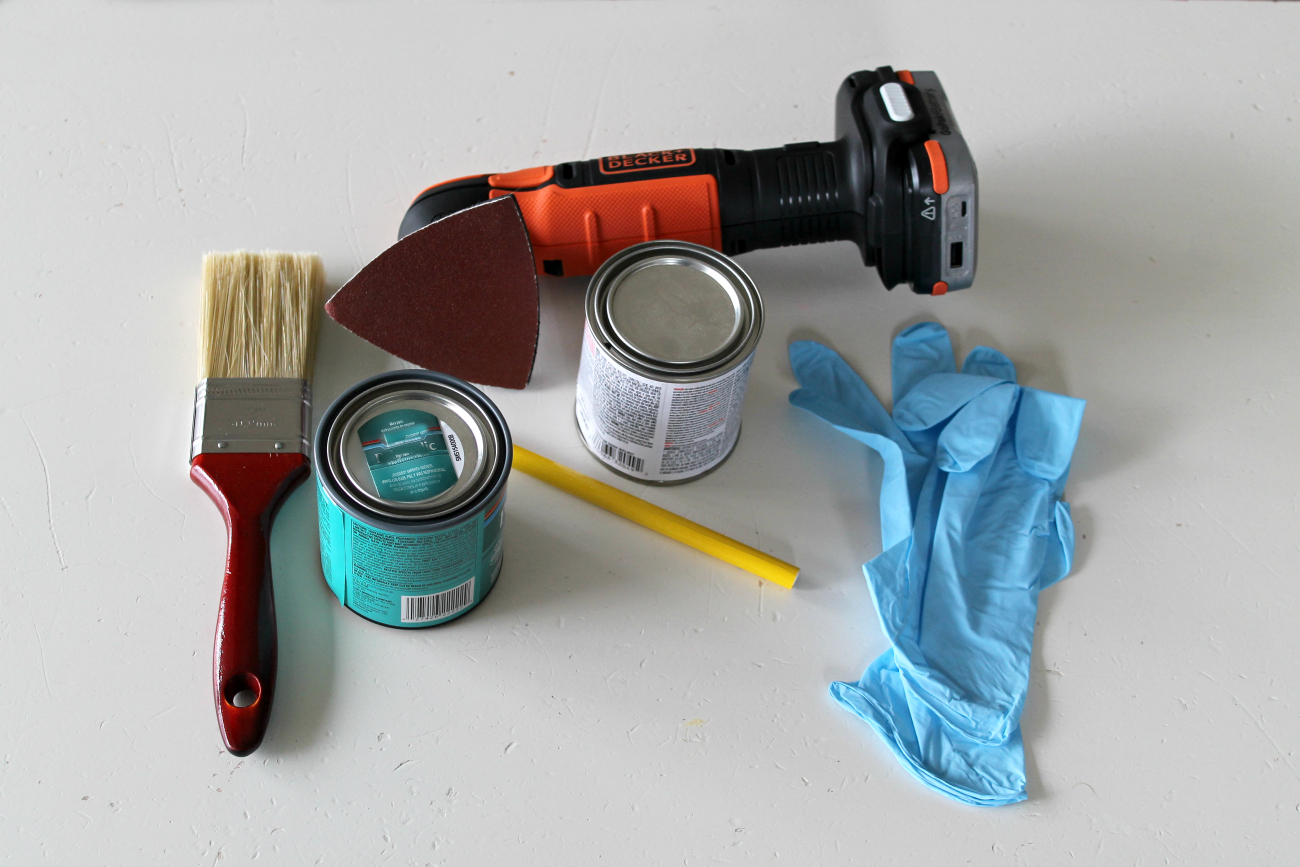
{"points": [[260, 312]]}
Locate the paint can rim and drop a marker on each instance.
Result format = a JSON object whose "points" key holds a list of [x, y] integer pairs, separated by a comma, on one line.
{"points": [[602, 318], [489, 476]]}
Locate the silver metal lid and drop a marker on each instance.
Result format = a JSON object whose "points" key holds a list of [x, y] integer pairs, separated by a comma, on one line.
{"points": [[674, 307], [471, 430]]}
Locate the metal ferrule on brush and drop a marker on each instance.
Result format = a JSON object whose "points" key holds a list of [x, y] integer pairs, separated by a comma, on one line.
{"points": [[261, 414]]}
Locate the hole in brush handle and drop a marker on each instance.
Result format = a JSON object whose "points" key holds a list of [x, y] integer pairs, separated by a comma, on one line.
{"points": [[242, 690]]}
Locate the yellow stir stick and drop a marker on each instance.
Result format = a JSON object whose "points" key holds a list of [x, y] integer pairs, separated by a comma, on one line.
{"points": [[657, 519]]}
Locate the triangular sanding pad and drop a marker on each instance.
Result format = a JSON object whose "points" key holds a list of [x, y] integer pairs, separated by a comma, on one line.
{"points": [[458, 296]]}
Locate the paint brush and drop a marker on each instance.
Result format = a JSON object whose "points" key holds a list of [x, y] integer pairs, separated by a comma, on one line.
{"points": [[252, 410]]}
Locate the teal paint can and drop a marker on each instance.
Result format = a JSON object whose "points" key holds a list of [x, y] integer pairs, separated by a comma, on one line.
{"points": [[411, 470]]}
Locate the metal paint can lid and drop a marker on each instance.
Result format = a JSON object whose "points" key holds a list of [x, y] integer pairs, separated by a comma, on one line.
{"points": [[412, 445], [676, 308]]}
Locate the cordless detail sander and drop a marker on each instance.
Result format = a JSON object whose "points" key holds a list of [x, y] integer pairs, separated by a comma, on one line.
{"points": [[898, 181]]}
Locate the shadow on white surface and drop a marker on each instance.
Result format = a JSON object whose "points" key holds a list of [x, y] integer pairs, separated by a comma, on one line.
{"points": [[559, 339], [305, 621], [1036, 720], [541, 568]]}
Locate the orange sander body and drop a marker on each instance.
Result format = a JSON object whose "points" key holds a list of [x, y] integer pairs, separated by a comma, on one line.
{"points": [[458, 292], [898, 180]]}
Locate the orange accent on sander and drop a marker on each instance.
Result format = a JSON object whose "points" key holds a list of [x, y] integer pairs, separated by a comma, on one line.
{"points": [[583, 227]]}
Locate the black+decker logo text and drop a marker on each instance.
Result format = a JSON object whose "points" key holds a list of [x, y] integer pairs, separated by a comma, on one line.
{"points": [[937, 113], [648, 160]]}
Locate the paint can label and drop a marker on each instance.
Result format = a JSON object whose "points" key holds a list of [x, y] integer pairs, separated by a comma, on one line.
{"points": [[652, 430], [410, 579], [410, 454]]}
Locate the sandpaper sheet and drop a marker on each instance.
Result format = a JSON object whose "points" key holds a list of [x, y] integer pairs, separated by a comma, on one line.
{"points": [[458, 296]]}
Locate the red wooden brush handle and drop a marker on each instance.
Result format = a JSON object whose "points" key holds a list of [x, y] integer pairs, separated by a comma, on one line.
{"points": [[248, 489]]}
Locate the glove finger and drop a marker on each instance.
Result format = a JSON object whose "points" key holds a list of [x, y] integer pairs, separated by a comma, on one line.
{"points": [[983, 361], [938, 756], [1047, 428], [977, 429], [938, 397], [1060, 550], [918, 352], [832, 390]]}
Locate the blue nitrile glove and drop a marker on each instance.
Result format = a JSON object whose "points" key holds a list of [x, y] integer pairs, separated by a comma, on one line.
{"points": [[972, 527]]}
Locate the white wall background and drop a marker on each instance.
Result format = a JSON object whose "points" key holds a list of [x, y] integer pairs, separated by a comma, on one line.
{"points": [[620, 699]]}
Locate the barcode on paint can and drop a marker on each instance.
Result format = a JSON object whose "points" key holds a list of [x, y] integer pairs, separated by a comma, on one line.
{"points": [[623, 458], [435, 606]]}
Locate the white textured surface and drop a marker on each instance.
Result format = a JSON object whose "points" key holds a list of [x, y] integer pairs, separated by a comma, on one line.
{"points": [[619, 699]]}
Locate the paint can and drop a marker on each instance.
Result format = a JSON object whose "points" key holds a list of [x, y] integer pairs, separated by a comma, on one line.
{"points": [[411, 470], [669, 339]]}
